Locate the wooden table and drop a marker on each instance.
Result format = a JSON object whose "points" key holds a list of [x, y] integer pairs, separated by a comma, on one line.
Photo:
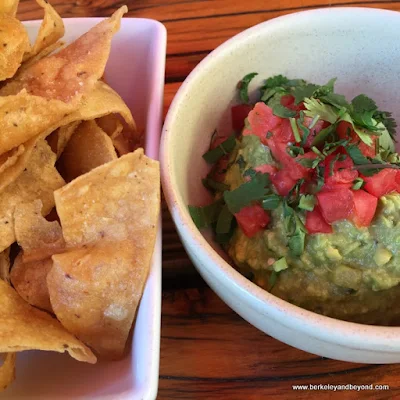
{"points": [[207, 351]]}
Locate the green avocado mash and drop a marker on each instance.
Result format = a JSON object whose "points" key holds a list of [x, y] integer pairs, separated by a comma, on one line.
{"points": [[349, 274]]}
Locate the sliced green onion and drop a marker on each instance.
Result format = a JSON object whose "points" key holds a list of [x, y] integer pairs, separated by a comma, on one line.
{"points": [[314, 121], [295, 130]]}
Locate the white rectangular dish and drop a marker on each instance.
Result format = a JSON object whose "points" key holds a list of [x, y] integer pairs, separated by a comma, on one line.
{"points": [[136, 71]]}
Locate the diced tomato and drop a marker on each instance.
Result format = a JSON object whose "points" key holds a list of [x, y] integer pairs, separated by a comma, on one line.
{"points": [[345, 127], [317, 128], [342, 172], [283, 132], [364, 207], [382, 183], [261, 121], [398, 181], [239, 113], [266, 169], [288, 101], [315, 223], [252, 219], [283, 182], [336, 204]]}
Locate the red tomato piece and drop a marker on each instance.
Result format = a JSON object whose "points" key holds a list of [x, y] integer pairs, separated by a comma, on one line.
{"points": [[315, 223], [262, 121], [283, 182], [284, 132], [398, 181], [342, 172], [336, 204], [345, 127], [288, 101], [364, 207], [252, 219], [239, 113], [382, 183]]}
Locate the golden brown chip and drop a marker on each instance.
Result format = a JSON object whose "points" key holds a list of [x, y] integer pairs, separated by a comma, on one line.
{"points": [[14, 42], [125, 142], [51, 30], [9, 7], [88, 148], [29, 280], [116, 201], [5, 265], [73, 71], [59, 138], [95, 292], [24, 116], [39, 238], [7, 370], [38, 180], [111, 125], [23, 327]]}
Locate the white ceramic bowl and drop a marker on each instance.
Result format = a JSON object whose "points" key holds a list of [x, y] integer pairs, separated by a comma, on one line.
{"points": [[135, 70], [361, 48]]}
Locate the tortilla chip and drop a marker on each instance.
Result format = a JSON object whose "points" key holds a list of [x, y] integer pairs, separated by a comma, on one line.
{"points": [[88, 148], [51, 30], [5, 266], [125, 142], [14, 42], [58, 139], [24, 116], [39, 238], [9, 7], [38, 180], [29, 280], [7, 370], [95, 292], [73, 71], [114, 202], [23, 327], [111, 125]]}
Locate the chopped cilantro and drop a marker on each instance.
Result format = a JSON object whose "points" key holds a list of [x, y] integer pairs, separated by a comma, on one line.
{"points": [[226, 147], [244, 86], [304, 129], [204, 216], [246, 193], [324, 111], [336, 100], [294, 151], [355, 154], [301, 92], [213, 185], [271, 202], [269, 135], [332, 164], [224, 221], [324, 134]]}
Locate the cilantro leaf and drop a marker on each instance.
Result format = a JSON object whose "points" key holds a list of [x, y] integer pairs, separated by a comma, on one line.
{"points": [[385, 140], [326, 89], [306, 131], [274, 81], [336, 100], [326, 112], [271, 202], [363, 134], [244, 86], [301, 92], [226, 147], [213, 185], [307, 202], [386, 118], [224, 221], [296, 241], [324, 134], [204, 216], [363, 103], [278, 109], [355, 154], [246, 193]]}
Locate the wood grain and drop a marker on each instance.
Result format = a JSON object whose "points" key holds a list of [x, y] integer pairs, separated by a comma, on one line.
{"points": [[207, 351]]}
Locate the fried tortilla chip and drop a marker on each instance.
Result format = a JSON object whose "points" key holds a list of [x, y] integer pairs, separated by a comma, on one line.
{"points": [[116, 201], [14, 42], [111, 125], [59, 138], [88, 148], [73, 71], [29, 280], [38, 180], [5, 265], [39, 238], [24, 116], [51, 30], [9, 7], [23, 327], [95, 291], [7, 370]]}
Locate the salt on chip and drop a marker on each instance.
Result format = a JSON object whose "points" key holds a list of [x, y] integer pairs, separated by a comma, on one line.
{"points": [[38, 180], [117, 201], [88, 148], [24, 116], [9, 7], [14, 42], [5, 265], [23, 327], [95, 291], [7, 370], [73, 71], [51, 30], [39, 238], [58, 139], [29, 280]]}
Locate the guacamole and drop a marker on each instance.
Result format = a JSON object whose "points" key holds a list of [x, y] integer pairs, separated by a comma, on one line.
{"points": [[307, 201]]}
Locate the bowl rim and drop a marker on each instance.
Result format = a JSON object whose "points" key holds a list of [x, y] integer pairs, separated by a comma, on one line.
{"points": [[318, 326]]}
